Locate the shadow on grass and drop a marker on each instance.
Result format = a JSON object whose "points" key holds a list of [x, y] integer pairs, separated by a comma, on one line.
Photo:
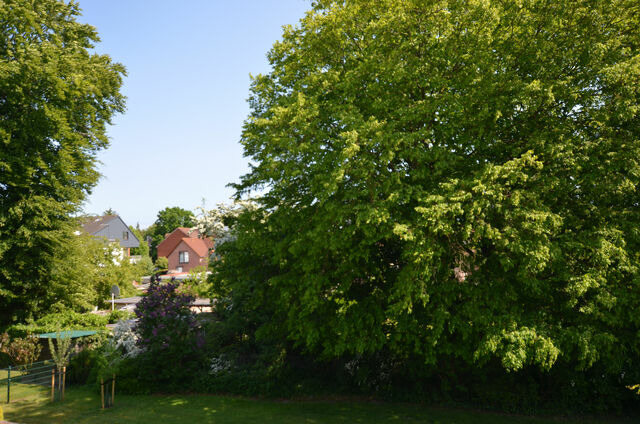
{"points": [[82, 405]]}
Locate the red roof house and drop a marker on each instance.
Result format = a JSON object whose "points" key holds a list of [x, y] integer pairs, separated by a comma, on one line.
{"points": [[184, 249]]}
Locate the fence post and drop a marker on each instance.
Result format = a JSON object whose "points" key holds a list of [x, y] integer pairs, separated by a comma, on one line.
{"points": [[102, 391], [9, 384], [53, 383], [113, 390], [64, 380]]}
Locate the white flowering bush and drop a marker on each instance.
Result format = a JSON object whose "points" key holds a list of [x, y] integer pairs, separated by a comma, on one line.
{"points": [[125, 338], [212, 222], [219, 364]]}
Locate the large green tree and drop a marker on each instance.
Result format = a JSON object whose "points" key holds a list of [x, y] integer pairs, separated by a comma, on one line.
{"points": [[56, 99], [449, 178], [84, 270]]}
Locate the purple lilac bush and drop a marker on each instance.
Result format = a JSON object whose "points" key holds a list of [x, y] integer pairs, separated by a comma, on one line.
{"points": [[168, 333]]}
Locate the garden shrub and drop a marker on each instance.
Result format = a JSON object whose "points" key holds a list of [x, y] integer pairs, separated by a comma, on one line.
{"points": [[64, 320], [169, 338], [20, 350], [119, 315], [80, 366]]}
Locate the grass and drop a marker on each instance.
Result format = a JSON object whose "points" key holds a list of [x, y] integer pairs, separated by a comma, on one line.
{"points": [[82, 405], [14, 373]]}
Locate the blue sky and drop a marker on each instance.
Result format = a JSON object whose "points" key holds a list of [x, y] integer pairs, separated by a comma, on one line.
{"points": [[188, 67]]}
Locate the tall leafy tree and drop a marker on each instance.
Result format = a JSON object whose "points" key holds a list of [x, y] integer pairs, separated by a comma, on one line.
{"points": [[450, 178], [84, 270], [56, 99]]}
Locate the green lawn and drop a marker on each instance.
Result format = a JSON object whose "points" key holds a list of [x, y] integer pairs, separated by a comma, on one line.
{"points": [[14, 373], [82, 405]]}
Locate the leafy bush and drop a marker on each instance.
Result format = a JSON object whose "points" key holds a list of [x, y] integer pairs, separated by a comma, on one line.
{"points": [[161, 265], [119, 315], [145, 266], [65, 320], [198, 284], [169, 337], [81, 365], [20, 350]]}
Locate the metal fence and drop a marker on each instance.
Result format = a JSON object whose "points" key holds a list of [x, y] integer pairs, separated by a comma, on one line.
{"points": [[37, 381]]}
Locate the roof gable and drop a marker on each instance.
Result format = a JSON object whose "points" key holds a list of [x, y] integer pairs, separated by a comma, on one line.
{"points": [[187, 236], [112, 227], [171, 241], [197, 245], [96, 223]]}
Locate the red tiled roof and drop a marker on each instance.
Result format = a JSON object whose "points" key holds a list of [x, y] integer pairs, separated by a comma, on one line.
{"points": [[169, 244], [197, 245], [166, 246]]}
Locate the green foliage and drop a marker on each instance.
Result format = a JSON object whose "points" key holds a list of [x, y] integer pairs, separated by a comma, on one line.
{"points": [[20, 350], [113, 356], [144, 267], [81, 365], [119, 315], [198, 284], [57, 99], [143, 249], [61, 350], [84, 271], [167, 333], [447, 183], [64, 320], [168, 220], [161, 265], [456, 180]]}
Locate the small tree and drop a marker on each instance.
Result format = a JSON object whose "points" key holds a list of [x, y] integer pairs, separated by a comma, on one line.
{"points": [[62, 351], [60, 355]]}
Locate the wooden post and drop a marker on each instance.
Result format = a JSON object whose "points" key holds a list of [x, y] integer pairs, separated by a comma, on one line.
{"points": [[64, 380], [113, 390], [102, 391], [9, 384], [53, 383]]}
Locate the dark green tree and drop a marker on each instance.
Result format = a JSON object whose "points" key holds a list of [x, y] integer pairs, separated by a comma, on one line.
{"points": [[56, 99], [143, 249], [450, 179], [168, 220]]}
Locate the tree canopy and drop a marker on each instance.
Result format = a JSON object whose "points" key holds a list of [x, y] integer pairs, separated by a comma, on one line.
{"points": [[56, 99], [448, 178]]}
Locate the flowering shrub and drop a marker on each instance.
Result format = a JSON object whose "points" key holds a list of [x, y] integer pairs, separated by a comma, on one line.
{"points": [[125, 338], [219, 364], [168, 334], [21, 351], [217, 223]]}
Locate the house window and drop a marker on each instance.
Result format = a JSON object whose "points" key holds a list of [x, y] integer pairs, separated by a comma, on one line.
{"points": [[125, 235], [184, 257]]}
